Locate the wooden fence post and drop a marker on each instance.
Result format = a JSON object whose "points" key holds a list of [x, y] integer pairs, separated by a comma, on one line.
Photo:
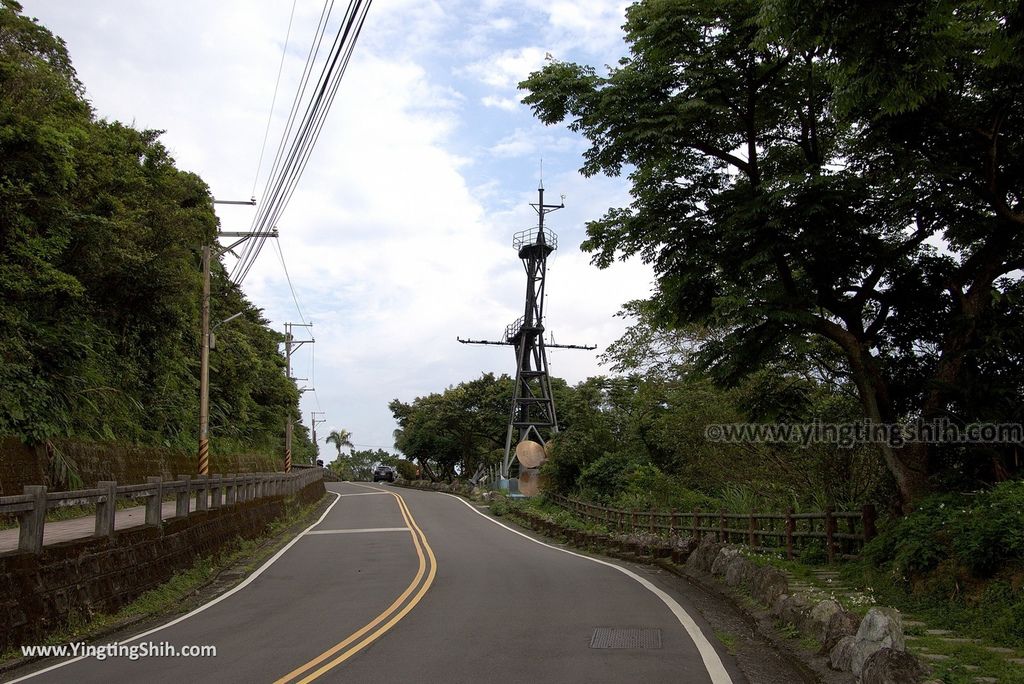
{"points": [[697, 532], [672, 524], [790, 529], [750, 531], [723, 536]]}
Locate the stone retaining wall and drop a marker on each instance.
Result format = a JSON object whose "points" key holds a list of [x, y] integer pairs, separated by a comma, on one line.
{"points": [[22, 465], [40, 593]]}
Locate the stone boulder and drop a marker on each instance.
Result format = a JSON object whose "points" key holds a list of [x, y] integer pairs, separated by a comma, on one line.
{"points": [[739, 571], [841, 624], [704, 555], [880, 628], [889, 666], [768, 584], [820, 617], [722, 560], [840, 656], [794, 610]]}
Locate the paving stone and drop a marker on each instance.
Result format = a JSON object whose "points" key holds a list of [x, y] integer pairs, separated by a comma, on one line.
{"points": [[936, 657], [1001, 650], [937, 632]]}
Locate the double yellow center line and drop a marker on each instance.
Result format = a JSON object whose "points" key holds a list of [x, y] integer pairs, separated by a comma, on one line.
{"points": [[372, 631]]}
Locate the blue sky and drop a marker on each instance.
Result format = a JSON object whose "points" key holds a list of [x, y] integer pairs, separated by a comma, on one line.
{"points": [[399, 236]]}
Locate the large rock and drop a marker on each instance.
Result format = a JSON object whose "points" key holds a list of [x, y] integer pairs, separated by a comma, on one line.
{"points": [[794, 610], [889, 666], [840, 657], [768, 584], [738, 571], [880, 628], [722, 560], [704, 555], [820, 617], [841, 624]]}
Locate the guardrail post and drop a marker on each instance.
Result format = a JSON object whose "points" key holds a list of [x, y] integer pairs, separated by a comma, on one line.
{"points": [[229, 489], [202, 492], [790, 529], [155, 502], [184, 497], [867, 517], [250, 487], [215, 491], [105, 509], [830, 531], [31, 523]]}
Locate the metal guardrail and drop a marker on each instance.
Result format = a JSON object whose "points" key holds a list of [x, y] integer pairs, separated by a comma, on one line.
{"points": [[211, 492], [764, 531]]}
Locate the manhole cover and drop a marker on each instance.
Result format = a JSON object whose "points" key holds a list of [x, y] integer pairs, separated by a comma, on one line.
{"points": [[626, 637]]}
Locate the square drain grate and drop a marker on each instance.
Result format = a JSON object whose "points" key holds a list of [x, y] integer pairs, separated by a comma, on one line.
{"points": [[625, 637]]}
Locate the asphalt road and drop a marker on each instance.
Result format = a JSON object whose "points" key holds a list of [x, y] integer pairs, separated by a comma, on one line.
{"points": [[398, 585]]}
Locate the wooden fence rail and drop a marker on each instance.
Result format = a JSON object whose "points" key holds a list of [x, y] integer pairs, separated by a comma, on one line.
{"points": [[789, 531], [213, 491]]}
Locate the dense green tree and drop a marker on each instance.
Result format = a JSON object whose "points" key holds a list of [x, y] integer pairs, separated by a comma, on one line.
{"points": [[792, 188], [458, 431], [99, 267]]}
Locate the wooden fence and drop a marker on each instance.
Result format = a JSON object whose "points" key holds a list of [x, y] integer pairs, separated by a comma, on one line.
{"points": [[790, 531]]}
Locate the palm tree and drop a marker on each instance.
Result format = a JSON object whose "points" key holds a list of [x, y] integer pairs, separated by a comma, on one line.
{"points": [[340, 438]]}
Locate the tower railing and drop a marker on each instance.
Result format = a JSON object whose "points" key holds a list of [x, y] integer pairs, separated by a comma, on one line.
{"points": [[529, 237]]}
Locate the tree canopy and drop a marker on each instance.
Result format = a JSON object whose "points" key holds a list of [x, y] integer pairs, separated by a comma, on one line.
{"points": [[100, 235], [807, 170]]}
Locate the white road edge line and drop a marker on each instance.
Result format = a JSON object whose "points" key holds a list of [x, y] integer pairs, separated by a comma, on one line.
{"points": [[360, 531], [362, 493], [248, 580], [712, 663]]}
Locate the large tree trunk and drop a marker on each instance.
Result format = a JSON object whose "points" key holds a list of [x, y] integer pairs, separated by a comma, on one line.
{"points": [[908, 464]]}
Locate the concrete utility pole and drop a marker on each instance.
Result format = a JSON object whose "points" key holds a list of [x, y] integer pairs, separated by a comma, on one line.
{"points": [[204, 353], [290, 345], [313, 422]]}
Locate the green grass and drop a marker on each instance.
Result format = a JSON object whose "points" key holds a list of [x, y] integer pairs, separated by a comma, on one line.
{"points": [[728, 640], [965, 662]]}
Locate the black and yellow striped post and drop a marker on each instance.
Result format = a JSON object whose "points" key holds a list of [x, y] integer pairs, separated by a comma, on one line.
{"points": [[204, 456], [287, 460]]}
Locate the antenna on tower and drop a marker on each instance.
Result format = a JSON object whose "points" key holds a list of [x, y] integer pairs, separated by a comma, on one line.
{"points": [[533, 407]]}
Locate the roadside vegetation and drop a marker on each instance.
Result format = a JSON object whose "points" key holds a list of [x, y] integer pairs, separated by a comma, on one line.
{"points": [[100, 238], [834, 224]]}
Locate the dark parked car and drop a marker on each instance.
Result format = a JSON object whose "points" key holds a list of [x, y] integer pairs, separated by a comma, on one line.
{"points": [[383, 472]]}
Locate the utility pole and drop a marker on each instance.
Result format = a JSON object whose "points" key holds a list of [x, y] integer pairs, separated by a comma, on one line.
{"points": [[204, 353], [314, 421], [290, 345]]}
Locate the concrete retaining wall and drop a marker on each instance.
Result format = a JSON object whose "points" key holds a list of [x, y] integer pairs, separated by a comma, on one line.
{"points": [[39, 593]]}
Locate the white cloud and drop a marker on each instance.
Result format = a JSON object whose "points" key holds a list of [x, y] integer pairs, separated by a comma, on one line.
{"points": [[509, 104]]}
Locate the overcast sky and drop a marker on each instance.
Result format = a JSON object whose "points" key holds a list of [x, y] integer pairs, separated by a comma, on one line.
{"points": [[399, 235]]}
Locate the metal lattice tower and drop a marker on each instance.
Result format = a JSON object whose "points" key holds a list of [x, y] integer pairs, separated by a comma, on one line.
{"points": [[533, 407]]}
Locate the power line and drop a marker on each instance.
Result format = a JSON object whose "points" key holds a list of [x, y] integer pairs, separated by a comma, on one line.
{"points": [[273, 100], [301, 134], [295, 299]]}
